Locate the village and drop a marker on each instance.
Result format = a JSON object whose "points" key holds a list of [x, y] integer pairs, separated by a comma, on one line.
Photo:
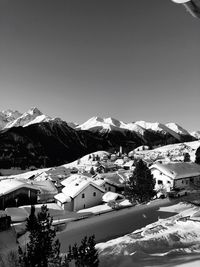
{"points": [[92, 185]]}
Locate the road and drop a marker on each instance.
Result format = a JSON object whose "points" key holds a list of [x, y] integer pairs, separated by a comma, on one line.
{"points": [[114, 224]]}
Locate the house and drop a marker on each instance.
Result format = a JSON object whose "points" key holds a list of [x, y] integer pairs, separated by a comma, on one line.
{"points": [[15, 193], [77, 177], [113, 182], [47, 191], [175, 174], [119, 162], [80, 195]]}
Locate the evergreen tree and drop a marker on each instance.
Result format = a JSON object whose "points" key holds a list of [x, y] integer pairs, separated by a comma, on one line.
{"points": [[186, 157], [86, 255], [141, 184], [42, 249]]}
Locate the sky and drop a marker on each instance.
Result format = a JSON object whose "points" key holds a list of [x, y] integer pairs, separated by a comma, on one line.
{"points": [[127, 59]]}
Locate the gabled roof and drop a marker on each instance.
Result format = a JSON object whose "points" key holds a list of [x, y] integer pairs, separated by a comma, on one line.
{"points": [[113, 178], [74, 189], [10, 185], [99, 182], [178, 170], [75, 178], [46, 187]]}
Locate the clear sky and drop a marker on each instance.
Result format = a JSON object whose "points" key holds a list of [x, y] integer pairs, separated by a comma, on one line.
{"points": [[127, 59]]}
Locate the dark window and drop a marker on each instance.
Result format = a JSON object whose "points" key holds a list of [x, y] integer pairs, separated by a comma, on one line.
{"points": [[83, 195], [109, 188], [94, 194]]}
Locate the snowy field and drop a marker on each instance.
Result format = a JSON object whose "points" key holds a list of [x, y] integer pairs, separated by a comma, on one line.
{"points": [[168, 242]]}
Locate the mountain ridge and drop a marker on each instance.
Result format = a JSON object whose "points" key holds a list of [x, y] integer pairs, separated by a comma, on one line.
{"points": [[36, 139]]}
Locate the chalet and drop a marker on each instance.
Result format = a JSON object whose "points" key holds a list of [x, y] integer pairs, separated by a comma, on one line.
{"points": [[15, 193], [80, 195], [77, 177], [175, 175], [47, 191], [113, 182]]}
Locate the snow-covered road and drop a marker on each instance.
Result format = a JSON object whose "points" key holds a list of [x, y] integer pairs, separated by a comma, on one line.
{"points": [[114, 224]]}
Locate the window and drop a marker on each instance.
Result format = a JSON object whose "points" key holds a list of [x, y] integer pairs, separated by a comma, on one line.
{"points": [[94, 194], [109, 188], [83, 195], [160, 182]]}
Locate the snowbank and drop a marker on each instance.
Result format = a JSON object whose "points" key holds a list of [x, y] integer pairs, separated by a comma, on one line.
{"points": [[157, 244]]}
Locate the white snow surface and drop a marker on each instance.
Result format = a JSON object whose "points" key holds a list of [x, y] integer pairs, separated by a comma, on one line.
{"points": [[7, 116], [97, 123], [177, 128], [139, 127], [174, 151], [33, 115], [158, 242], [196, 134], [157, 127]]}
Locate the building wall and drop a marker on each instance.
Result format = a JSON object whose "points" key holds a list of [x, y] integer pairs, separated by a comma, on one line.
{"points": [[187, 181], [89, 200], [168, 182], [109, 188], [22, 196], [162, 181], [66, 206]]}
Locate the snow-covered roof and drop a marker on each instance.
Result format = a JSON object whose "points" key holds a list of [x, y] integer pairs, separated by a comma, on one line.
{"points": [[62, 198], [111, 196], [77, 177], [119, 162], [99, 182], [114, 178], [129, 163], [46, 186], [10, 185], [177, 170], [17, 214], [74, 189]]}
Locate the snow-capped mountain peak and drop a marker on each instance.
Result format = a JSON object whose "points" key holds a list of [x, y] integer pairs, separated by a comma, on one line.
{"points": [[177, 128], [10, 114], [158, 127], [7, 116], [34, 112], [196, 134], [33, 115]]}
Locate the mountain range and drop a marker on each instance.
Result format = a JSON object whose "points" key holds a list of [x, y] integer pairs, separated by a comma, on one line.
{"points": [[33, 138]]}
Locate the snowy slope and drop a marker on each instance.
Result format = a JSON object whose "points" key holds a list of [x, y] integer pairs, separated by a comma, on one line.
{"points": [[173, 151], [139, 127], [38, 119], [33, 115], [177, 128], [196, 134], [157, 244], [97, 123], [157, 127], [7, 116]]}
